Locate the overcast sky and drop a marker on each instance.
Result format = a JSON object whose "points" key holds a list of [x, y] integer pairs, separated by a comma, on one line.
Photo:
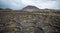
{"points": [[19, 4]]}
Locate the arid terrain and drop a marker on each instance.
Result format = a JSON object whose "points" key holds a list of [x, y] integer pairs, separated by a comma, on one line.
{"points": [[29, 22]]}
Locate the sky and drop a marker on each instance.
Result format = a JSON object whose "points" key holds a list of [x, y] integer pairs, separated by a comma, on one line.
{"points": [[19, 4]]}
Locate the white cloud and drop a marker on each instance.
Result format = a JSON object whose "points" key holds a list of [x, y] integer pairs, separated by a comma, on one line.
{"points": [[51, 4], [41, 4], [17, 4], [14, 4], [27, 2]]}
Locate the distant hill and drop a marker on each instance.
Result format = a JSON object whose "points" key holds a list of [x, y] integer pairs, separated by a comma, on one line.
{"points": [[34, 8], [30, 8]]}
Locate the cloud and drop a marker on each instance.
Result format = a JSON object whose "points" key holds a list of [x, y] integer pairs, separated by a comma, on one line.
{"points": [[19, 4], [13, 4], [51, 4]]}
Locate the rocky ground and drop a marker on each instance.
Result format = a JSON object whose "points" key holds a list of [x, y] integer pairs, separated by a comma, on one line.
{"points": [[29, 22]]}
